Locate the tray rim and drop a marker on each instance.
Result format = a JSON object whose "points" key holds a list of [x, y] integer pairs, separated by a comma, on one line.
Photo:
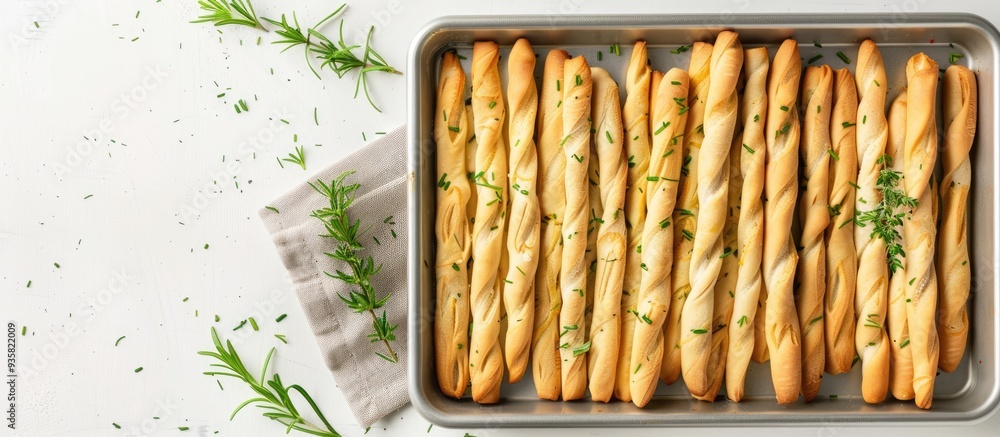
{"points": [[652, 21]]}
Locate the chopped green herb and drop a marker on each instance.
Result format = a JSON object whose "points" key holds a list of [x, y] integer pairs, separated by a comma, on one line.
{"points": [[843, 57]]}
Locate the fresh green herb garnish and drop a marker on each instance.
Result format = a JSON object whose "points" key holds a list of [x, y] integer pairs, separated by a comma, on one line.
{"points": [[843, 57], [119, 340], [298, 158], [347, 234], [884, 217], [338, 56], [271, 395], [280, 318], [661, 128], [680, 50], [954, 57]]}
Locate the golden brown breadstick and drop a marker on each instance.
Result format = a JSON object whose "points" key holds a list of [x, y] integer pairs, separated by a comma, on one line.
{"points": [[751, 222], [635, 116], [841, 258], [871, 299], [573, 344], [721, 110], [453, 233], [524, 219], [686, 213], [545, 361], [611, 240], [954, 272], [667, 120], [780, 191], [486, 358], [901, 362], [814, 214], [919, 156], [725, 287]]}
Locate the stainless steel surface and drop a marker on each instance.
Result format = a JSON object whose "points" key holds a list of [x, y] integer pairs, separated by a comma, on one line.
{"points": [[967, 395]]}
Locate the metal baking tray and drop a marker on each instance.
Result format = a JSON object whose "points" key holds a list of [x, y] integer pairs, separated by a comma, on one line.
{"points": [[966, 395]]}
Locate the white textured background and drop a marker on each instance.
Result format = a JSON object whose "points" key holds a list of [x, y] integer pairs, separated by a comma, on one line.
{"points": [[157, 137]]}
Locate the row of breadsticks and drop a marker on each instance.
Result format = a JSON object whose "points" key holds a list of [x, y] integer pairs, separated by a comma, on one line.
{"points": [[698, 226]]}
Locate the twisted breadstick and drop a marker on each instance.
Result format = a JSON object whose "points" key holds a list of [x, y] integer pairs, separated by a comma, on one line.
{"points": [[954, 280], [780, 190], [657, 235], [713, 183], [814, 214], [751, 222], [545, 361], [611, 240], [636, 119], [573, 343], [452, 230], [525, 217], [871, 300], [919, 155], [686, 213], [901, 361], [841, 258], [486, 359], [725, 287]]}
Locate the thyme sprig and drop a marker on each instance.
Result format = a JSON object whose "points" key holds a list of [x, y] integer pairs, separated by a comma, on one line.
{"points": [[887, 216], [272, 395], [348, 234], [337, 56]]}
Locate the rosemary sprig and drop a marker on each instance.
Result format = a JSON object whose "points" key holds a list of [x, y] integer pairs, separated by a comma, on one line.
{"points": [[348, 236], [221, 13], [298, 158], [337, 56], [884, 217], [272, 395]]}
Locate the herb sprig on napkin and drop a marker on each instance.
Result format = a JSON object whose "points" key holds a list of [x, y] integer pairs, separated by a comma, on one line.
{"points": [[347, 234]]}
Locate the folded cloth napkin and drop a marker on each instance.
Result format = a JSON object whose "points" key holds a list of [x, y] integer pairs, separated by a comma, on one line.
{"points": [[380, 168]]}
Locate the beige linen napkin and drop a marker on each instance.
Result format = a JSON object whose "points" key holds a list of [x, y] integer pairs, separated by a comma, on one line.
{"points": [[373, 386]]}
